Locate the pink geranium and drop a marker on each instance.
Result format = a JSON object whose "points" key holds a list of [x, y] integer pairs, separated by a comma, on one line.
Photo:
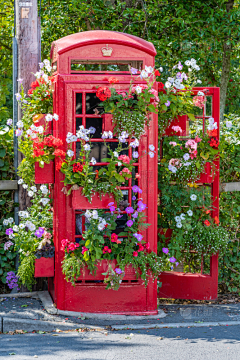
{"points": [[199, 101], [197, 139], [177, 129], [124, 158], [175, 162], [193, 154], [173, 143], [191, 145], [84, 249]]}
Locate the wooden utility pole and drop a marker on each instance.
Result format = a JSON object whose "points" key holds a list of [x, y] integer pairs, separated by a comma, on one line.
{"points": [[27, 34]]}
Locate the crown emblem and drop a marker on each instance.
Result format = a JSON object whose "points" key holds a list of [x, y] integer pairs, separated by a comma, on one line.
{"points": [[107, 51]]}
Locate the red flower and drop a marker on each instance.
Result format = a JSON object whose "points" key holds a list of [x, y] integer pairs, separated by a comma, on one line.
{"points": [[160, 85], [157, 73], [30, 91], [216, 220], [37, 153], [207, 223], [59, 152], [58, 164], [212, 132], [141, 248], [97, 176], [106, 249], [135, 253], [114, 237], [214, 142], [113, 80], [124, 158], [52, 79], [77, 167], [103, 93], [37, 144], [35, 84]]}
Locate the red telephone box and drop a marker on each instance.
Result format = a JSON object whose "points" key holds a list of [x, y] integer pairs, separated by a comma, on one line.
{"points": [[82, 62]]}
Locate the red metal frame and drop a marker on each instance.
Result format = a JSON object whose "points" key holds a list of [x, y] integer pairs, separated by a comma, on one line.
{"points": [[90, 295], [202, 286]]}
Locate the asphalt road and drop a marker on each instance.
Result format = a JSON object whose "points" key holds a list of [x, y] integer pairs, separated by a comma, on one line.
{"points": [[205, 343]]}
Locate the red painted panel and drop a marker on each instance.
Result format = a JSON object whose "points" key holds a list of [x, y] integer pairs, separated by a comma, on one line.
{"points": [[46, 124], [44, 267], [81, 202], [179, 121], [206, 177], [44, 175], [107, 122]]}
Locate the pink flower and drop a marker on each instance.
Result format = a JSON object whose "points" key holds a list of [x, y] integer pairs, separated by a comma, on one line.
{"points": [[124, 158], [126, 170], [7, 245], [135, 253], [155, 93], [197, 139], [64, 243], [199, 101], [193, 154], [175, 162], [84, 249], [177, 129], [173, 143], [191, 145], [47, 235]]}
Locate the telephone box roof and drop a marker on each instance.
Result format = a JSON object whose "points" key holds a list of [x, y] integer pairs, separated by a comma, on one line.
{"points": [[101, 36]]}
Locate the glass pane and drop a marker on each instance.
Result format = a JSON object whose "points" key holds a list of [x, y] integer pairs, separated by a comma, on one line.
{"points": [[208, 109], [79, 224], [92, 102], [78, 123], [97, 124], [78, 103]]}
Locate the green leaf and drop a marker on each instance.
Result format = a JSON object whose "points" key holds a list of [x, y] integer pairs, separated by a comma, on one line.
{"points": [[2, 152], [191, 116]]}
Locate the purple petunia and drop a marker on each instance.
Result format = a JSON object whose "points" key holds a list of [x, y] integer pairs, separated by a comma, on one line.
{"points": [[134, 71], [39, 232], [134, 198], [165, 250], [141, 206], [9, 231], [138, 236], [167, 103], [136, 189], [129, 210], [177, 263], [129, 223], [172, 259], [118, 271], [135, 215]]}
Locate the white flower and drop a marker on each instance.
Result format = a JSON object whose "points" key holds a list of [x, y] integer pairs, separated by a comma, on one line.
{"points": [[110, 135], [37, 74], [161, 69], [15, 228], [105, 135], [101, 226], [138, 89], [151, 147], [32, 227], [151, 154], [177, 218], [19, 124], [30, 193], [115, 153], [25, 186], [20, 181], [5, 222], [172, 168], [177, 82], [170, 79], [22, 226], [228, 124], [188, 63], [10, 220], [33, 188], [144, 74], [87, 147], [134, 144], [193, 197], [73, 138], [44, 201], [135, 154], [55, 117], [179, 225], [119, 163], [39, 129], [148, 69], [167, 84], [200, 93], [46, 62], [45, 77], [92, 130], [70, 153], [88, 214], [193, 62], [48, 117], [186, 156], [196, 67], [199, 81], [182, 216], [44, 189], [49, 68], [95, 214], [190, 213], [11, 236], [93, 161]]}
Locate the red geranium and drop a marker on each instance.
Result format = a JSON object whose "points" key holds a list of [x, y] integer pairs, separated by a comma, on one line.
{"points": [[214, 142], [160, 85], [59, 152], [207, 223], [37, 153], [103, 93], [113, 80], [77, 167], [30, 91], [157, 73], [212, 132], [35, 84]]}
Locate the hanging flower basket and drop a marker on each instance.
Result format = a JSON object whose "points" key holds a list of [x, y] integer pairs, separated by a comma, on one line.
{"points": [[44, 267], [130, 272], [79, 201], [44, 175], [180, 121], [207, 176]]}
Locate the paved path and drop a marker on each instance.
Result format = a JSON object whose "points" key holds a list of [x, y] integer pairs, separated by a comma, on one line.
{"points": [[205, 343]]}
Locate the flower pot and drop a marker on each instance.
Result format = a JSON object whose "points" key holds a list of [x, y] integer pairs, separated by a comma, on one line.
{"points": [[39, 120], [79, 201], [181, 121], [130, 272], [207, 176], [44, 175], [44, 267]]}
